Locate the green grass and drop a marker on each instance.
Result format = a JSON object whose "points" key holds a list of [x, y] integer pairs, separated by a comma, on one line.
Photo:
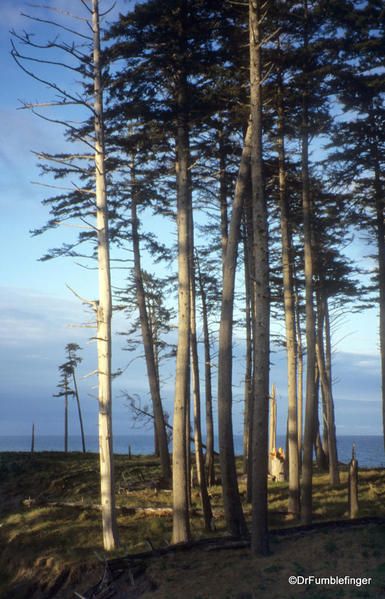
{"points": [[52, 547]]}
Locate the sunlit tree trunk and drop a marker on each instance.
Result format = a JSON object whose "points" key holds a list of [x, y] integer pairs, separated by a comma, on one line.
{"points": [[180, 470], [148, 343], [235, 520], [260, 286], [222, 190], [104, 308], [307, 464], [380, 237], [326, 382], [208, 388], [288, 296], [201, 475], [300, 354], [248, 360], [79, 410], [66, 391]]}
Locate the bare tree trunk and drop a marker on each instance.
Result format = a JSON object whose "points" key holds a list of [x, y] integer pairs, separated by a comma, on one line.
{"points": [[79, 410], [307, 464], [207, 513], [273, 422], [380, 234], [288, 295], [249, 359], [208, 389], [66, 417], [148, 342], [180, 472], [327, 391], [249, 270], [300, 373], [353, 486], [260, 286], [235, 520], [222, 190], [104, 309], [33, 438]]}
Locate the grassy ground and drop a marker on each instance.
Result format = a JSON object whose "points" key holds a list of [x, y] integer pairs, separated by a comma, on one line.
{"points": [[50, 551]]}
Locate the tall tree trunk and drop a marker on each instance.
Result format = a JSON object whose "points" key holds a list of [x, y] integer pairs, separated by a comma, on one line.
{"points": [[380, 235], [180, 472], [327, 391], [208, 389], [235, 521], [104, 309], [260, 286], [148, 342], [300, 371], [222, 189], [201, 475], [249, 359], [66, 417], [288, 296], [307, 463], [79, 411], [273, 421]]}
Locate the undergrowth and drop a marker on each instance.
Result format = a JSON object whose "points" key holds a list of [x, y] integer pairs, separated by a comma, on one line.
{"points": [[40, 542]]}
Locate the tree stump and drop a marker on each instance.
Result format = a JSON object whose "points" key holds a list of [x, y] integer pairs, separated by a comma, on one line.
{"points": [[353, 486], [277, 465]]}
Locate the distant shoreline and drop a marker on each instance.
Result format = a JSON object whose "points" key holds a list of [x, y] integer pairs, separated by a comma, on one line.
{"points": [[369, 448]]}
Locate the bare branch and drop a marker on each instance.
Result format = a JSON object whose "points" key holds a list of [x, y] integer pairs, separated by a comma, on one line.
{"points": [[61, 11], [58, 222], [27, 106], [55, 24], [64, 158], [73, 129], [90, 374], [82, 326], [103, 14], [18, 57], [86, 6], [71, 167], [93, 303], [266, 75], [86, 267], [69, 49], [90, 191]]}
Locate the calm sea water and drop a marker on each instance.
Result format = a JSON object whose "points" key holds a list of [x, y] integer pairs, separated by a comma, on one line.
{"points": [[369, 449]]}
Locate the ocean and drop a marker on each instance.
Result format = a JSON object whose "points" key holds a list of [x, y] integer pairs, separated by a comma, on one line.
{"points": [[369, 449]]}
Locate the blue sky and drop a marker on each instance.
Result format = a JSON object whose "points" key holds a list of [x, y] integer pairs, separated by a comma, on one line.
{"points": [[37, 308]]}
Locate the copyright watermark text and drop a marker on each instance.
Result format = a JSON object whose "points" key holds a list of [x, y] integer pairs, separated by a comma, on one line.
{"points": [[332, 580]]}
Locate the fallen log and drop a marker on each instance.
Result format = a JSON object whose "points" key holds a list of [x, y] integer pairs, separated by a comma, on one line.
{"points": [[124, 509]]}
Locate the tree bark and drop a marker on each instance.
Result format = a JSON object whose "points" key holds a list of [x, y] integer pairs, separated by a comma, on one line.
{"points": [[325, 377], [148, 343], [288, 297], [222, 190], [249, 360], [300, 371], [201, 475], [104, 308], [353, 487], [235, 521], [180, 471], [380, 235], [208, 389], [260, 286], [79, 410], [66, 415], [307, 463]]}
